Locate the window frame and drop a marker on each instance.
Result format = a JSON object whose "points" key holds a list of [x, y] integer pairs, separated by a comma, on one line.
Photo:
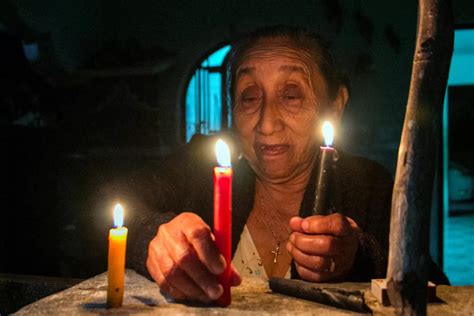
{"points": [[188, 77]]}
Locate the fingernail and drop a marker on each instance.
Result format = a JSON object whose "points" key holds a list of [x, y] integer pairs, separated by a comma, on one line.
{"points": [[292, 238], [305, 225], [236, 279], [289, 246], [214, 292]]}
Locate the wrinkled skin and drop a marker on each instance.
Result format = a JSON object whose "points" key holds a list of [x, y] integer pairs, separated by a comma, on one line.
{"points": [[279, 95], [276, 110], [316, 241], [184, 260]]}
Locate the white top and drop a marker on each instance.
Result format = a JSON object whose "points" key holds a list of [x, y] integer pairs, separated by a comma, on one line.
{"points": [[247, 260]]}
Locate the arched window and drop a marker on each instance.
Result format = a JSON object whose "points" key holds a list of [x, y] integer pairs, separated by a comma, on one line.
{"points": [[206, 111]]}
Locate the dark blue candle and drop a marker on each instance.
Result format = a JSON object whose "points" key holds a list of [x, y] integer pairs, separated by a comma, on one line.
{"points": [[324, 175]]}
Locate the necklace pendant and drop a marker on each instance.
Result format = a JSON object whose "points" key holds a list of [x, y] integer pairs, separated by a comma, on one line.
{"points": [[276, 252]]}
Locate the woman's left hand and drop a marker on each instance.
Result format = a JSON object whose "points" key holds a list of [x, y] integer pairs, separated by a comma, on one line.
{"points": [[323, 247]]}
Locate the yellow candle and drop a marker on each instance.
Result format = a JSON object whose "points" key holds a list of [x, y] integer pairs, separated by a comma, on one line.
{"points": [[116, 266]]}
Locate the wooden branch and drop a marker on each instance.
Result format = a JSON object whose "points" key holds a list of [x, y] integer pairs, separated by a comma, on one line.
{"points": [[411, 201]]}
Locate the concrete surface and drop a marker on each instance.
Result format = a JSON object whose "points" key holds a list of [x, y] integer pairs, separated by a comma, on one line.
{"points": [[253, 297]]}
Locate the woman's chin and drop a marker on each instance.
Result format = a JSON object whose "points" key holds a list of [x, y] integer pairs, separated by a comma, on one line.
{"points": [[275, 171]]}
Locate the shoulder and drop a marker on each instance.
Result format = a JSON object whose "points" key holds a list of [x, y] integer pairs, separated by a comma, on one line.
{"points": [[197, 150], [201, 148], [365, 193], [363, 171]]}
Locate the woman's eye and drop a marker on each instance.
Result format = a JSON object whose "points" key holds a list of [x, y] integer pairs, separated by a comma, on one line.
{"points": [[250, 101], [292, 93], [250, 98]]}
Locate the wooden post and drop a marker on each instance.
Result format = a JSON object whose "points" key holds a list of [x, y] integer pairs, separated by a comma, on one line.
{"points": [[411, 202]]}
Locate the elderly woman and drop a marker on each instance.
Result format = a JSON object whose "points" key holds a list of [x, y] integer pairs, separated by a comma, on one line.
{"points": [[282, 84]]}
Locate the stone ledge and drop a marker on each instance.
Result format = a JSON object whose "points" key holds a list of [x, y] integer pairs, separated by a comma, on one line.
{"points": [[253, 297], [17, 291]]}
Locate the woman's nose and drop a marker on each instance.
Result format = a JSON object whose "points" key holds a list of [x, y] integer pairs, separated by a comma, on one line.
{"points": [[271, 120]]}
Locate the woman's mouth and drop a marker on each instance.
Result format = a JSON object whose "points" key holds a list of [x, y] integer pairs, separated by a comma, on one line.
{"points": [[273, 150]]}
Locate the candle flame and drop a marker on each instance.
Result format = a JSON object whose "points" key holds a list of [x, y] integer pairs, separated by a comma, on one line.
{"points": [[328, 133], [222, 153], [118, 215]]}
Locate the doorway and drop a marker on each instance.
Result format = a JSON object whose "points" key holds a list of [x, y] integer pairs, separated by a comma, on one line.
{"points": [[458, 167]]}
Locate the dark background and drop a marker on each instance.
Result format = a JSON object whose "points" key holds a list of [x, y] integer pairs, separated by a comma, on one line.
{"points": [[106, 97]]}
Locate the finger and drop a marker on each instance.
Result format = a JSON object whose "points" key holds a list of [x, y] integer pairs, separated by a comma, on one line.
{"points": [[150, 263], [316, 245], [178, 279], [313, 263], [313, 276], [236, 279], [334, 224], [186, 259], [295, 224], [167, 288], [153, 269], [201, 240]]}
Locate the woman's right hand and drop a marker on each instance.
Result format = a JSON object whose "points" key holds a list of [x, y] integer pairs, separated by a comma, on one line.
{"points": [[184, 260]]}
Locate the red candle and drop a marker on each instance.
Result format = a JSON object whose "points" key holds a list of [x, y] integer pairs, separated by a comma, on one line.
{"points": [[223, 215], [324, 177]]}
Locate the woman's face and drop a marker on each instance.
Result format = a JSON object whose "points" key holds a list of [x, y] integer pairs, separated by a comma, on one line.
{"points": [[278, 93]]}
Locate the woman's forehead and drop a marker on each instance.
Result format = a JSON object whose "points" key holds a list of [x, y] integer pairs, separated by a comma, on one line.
{"points": [[280, 58], [281, 61], [279, 66], [277, 53]]}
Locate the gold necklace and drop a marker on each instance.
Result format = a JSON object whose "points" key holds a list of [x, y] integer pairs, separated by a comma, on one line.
{"points": [[276, 250]]}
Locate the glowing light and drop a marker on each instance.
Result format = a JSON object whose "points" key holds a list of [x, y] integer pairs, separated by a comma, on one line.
{"points": [[328, 133], [118, 215], [222, 153]]}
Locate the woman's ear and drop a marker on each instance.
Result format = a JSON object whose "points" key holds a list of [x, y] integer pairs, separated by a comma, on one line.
{"points": [[339, 103]]}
